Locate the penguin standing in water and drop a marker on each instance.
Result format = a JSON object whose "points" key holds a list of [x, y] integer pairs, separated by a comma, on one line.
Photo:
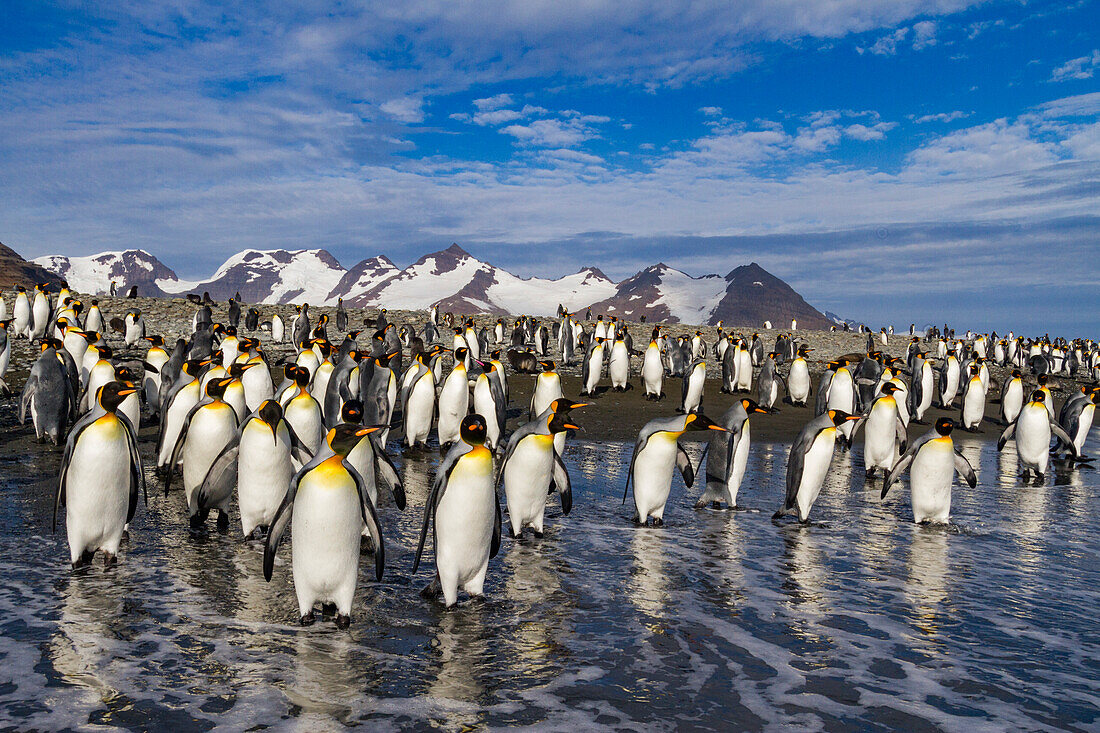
{"points": [[531, 462], [326, 505], [799, 386], [1076, 417], [593, 366], [843, 396], [1032, 429], [884, 432], [418, 403], [490, 403], [768, 382], [257, 462], [728, 455], [5, 356], [653, 372], [454, 401], [463, 510], [934, 463], [656, 454], [101, 474], [1012, 397], [207, 430], [48, 395], [809, 460], [694, 380], [973, 399]]}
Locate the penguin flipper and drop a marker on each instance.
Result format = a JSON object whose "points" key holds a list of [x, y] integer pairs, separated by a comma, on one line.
{"points": [[370, 518], [1063, 436], [903, 462], [137, 472], [1007, 434], [279, 523], [27, 395], [439, 487], [639, 445], [561, 481], [683, 462], [298, 449], [220, 479], [384, 468], [900, 434], [494, 545], [965, 470]]}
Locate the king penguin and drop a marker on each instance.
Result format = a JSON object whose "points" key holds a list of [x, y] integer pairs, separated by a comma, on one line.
{"points": [[1032, 429], [809, 460], [934, 463], [728, 455]]}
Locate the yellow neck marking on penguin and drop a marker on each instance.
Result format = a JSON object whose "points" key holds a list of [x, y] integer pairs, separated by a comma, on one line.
{"points": [[479, 453], [944, 441], [331, 470], [218, 404]]}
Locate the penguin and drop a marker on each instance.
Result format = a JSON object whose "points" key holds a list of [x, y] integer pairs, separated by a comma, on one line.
{"points": [[692, 394], [40, 311], [653, 372], [656, 454], [1076, 418], [489, 402], [808, 462], [531, 464], [884, 433], [1032, 429], [22, 315], [207, 429], [593, 365], [135, 327], [744, 369], [464, 511], [278, 329], [5, 357], [341, 315], [768, 382], [728, 455], [339, 387], [843, 397], [547, 389], [950, 375], [303, 411], [799, 386], [326, 505], [1049, 401], [920, 388], [100, 478], [973, 400], [618, 367], [730, 359], [155, 359], [48, 395], [300, 328], [454, 402], [934, 462]]}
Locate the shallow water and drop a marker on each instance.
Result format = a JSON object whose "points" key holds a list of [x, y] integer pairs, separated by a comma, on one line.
{"points": [[719, 620]]}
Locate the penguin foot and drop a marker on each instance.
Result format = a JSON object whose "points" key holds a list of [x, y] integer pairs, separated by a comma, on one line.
{"points": [[223, 522], [538, 535], [433, 589], [366, 545], [343, 621], [109, 560], [308, 620], [198, 520], [328, 609], [258, 532], [125, 535], [658, 522], [84, 560]]}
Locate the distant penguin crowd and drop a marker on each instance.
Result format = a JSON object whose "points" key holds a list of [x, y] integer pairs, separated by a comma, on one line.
{"points": [[304, 445]]}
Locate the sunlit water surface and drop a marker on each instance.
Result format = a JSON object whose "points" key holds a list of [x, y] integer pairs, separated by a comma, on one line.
{"points": [[720, 620]]}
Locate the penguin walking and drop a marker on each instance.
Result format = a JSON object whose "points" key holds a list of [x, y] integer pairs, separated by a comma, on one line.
{"points": [[464, 511], [920, 388], [656, 454], [843, 397], [653, 372], [799, 386], [48, 395], [454, 401], [934, 461], [1012, 397], [531, 463], [593, 366], [728, 455], [22, 314], [1032, 430], [809, 460], [768, 382], [418, 404], [101, 475], [1076, 418], [326, 505], [950, 376], [619, 366], [973, 400], [694, 380], [884, 432], [208, 428]]}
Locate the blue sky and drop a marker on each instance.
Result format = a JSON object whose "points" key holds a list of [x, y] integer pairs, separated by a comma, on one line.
{"points": [[894, 160]]}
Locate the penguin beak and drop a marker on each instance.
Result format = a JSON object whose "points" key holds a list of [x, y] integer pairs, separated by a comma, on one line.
{"points": [[571, 426], [850, 418], [760, 410], [125, 392], [579, 404], [367, 431]]}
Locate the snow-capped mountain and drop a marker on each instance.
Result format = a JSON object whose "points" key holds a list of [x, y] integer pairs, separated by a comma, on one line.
{"points": [[456, 281], [93, 274]]}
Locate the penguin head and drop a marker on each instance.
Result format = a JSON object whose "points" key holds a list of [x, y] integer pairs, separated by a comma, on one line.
{"points": [[547, 366], [1016, 374], [216, 387], [271, 413], [945, 425], [112, 394], [105, 352], [839, 417], [460, 354], [559, 419], [751, 406], [473, 429], [154, 340], [352, 412], [1043, 379], [193, 367], [699, 421], [1038, 396], [344, 437], [301, 377], [125, 375], [889, 388], [50, 343], [230, 330], [237, 369], [496, 355], [5, 323]]}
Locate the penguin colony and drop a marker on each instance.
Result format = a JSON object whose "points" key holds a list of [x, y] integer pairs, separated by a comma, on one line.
{"points": [[305, 455]]}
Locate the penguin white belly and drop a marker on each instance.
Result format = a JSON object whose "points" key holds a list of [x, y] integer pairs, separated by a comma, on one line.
{"points": [[485, 405], [526, 480], [1033, 438], [264, 471], [212, 427], [464, 521], [229, 349], [653, 373], [1084, 424], [930, 479], [926, 392], [304, 416], [842, 396], [798, 383], [880, 445], [619, 368], [185, 399], [740, 461], [595, 367], [97, 494], [325, 531], [652, 476], [454, 403], [257, 386], [278, 329], [151, 380], [951, 387], [234, 397], [133, 332], [771, 394], [22, 316], [974, 405], [744, 371], [694, 398], [547, 389], [815, 466], [41, 314], [131, 408], [320, 382], [419, 409]]}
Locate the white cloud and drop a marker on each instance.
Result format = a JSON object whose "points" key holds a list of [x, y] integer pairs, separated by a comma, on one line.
{"points": [[711, 111], [888, 45], [873, 132], [405, 109], [1000, 147], [495, 102], [924, 34], [1076, 106], [550, 133], [941, 117], [496, 117], [1079, 68]]}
